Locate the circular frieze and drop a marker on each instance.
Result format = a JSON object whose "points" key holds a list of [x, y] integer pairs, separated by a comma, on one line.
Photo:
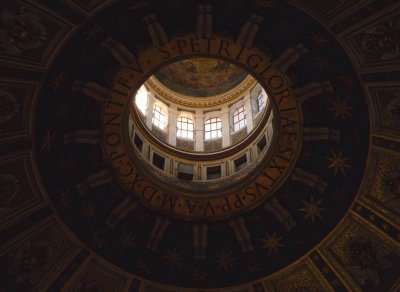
{"points": [[225, 201], [275, 217]]}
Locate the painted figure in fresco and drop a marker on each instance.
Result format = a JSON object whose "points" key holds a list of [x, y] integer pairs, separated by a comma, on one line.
{"points": [[383, 40], [201, 73], [9, 190], [21, 32], [367, 259], [9, 106]]}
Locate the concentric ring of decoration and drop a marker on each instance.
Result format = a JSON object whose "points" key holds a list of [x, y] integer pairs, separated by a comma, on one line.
{"points": [[208, 103], [243, 143], [200, 78], [247, 194], [202, 101], [82, 189]]}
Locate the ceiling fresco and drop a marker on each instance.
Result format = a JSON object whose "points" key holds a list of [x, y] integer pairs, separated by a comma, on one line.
{"points": [[201, 76], [69, 224]]}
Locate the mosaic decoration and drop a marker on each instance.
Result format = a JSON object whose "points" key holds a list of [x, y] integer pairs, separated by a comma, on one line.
{"points": [[302, 278], [28, 34], [27, 262], [382, 191], [386, 101], [201, 76], [18, 188], [15, 102], [9, 106], [68, 223], [158, 256], [21, 32], [364, 256], [376, 42], [95, 276]]}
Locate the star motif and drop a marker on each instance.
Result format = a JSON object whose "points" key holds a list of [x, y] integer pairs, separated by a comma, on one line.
{"points": [[173, 258], [198, 275], [319, 40], [89, 210], [224, 260], [346, 80], [57, 81], [338, 162], [48, 141], [340, 108], [97, 238], [272, 242], [127, 241], [323, 63], [312, 209], [93, 32]]}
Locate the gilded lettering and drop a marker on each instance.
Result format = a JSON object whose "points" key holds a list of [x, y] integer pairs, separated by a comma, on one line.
{"points": [[113, 139], [191, 204], [148, 193], [249, 192], [181, 45], [238, 202], [209, 208], [113, 117], [227, 206], [169, 201]]}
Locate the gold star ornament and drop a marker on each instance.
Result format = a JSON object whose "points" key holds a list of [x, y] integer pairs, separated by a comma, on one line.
{"points": [[338, 162], [340, 108], [173, 258], [272, 242], [224, 260], [312, 209]]}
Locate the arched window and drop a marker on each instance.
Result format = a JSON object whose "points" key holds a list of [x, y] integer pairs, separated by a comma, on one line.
{"points": [[185, 128], [239, 118], [159, 116], [141, 99], [260, 101], [213, 128]]}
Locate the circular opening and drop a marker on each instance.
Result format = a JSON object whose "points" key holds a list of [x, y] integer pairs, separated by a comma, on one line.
{"points": [[201, 105], [201, 123]]}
